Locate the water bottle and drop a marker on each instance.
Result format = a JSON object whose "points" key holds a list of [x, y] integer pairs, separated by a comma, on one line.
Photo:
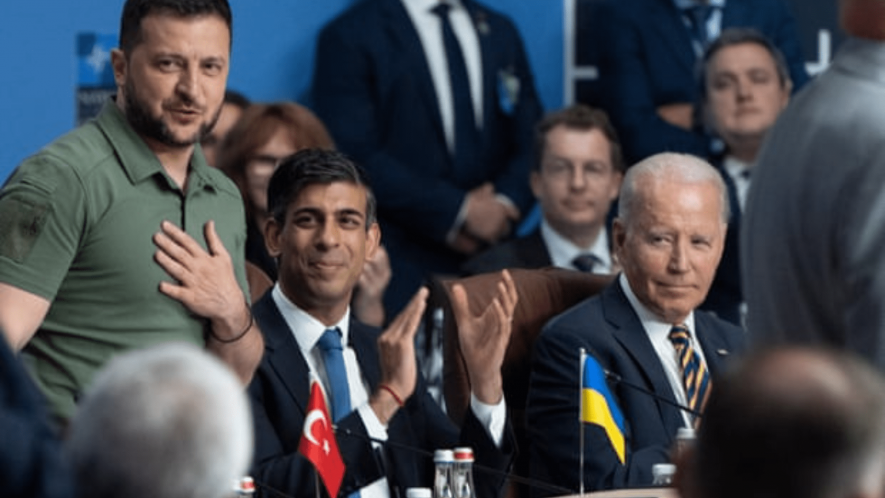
{"points": [[464, 473], [419, 493], [662, 474], [444, 461]]}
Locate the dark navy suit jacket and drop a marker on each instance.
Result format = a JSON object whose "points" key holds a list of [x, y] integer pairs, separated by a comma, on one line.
{"points": [[648, 61], [279, 393], [607, 327], [526, 252], [373, 89]]}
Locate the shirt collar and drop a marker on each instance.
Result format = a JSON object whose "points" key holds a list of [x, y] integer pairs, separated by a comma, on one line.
{"points": [[425, 6], [138, 160], [305, 328], [687, 4], [735, 167], [651, 322], [563, 251]]}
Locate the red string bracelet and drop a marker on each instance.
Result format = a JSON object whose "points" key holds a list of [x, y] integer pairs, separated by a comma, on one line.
{"points": [[390, 390]]}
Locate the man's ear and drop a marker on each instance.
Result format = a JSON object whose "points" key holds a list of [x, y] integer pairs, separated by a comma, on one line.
{"points": [[373, 240], [120, 66], [272, 233], [535, 183]]}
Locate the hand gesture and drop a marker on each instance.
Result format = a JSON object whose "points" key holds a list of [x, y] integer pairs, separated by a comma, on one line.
{"points": [[396, 351], [206, 283], [488, 219], [484, 337]]}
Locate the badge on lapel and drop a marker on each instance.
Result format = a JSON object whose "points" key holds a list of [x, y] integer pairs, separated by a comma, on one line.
{"points": [[508, 90], [481, 23]]}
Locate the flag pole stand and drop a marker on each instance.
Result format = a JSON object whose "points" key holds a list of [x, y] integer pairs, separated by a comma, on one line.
{"points": [[581, 422], [316, 483]]}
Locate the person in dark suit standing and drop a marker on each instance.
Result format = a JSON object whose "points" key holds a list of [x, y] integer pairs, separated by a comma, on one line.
{"points": [[745, 84], [647, 66], [436, 100], [323, 230], [644, 328], [576, 176]]}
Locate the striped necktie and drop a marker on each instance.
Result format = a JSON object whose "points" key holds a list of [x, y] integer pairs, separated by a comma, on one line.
{"points": [[695, 377]]}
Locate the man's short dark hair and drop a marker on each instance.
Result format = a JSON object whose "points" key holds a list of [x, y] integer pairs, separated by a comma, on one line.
{"points": [[314, 167], [583, 118], [740, 36], [134, 11]]}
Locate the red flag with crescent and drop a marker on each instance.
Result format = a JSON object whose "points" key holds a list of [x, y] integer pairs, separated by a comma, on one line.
{"points": [[318, 442]]}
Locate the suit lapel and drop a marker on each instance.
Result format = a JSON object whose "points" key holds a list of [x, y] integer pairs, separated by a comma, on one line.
{"points": [[532, 251], [363, 343], [716, 347], [282, 351], [407, 45], [484, 35], [631, 335], [735, 14], [671, 28]]}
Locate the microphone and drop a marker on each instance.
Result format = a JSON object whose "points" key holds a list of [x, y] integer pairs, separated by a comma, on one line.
{"points": [[620, 380], [476, 466]]}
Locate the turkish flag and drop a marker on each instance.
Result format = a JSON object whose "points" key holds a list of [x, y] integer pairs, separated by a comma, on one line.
{"points": [[318, 441]]}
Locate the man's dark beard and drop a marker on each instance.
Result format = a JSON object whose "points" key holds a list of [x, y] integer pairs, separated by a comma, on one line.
{"points": [[140, 118]]}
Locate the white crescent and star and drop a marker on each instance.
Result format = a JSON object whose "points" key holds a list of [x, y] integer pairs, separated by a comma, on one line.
{"points": [[313, 417]]}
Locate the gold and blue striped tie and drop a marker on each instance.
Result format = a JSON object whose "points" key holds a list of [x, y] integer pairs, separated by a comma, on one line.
{"points": [[695, 377]]}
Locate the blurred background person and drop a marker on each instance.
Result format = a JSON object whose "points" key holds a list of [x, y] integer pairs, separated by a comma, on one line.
{"points": [[31, 463], [231, 110], [744, 86], [251, 151], [791, 423], [814, 228], [575, 177], [168, 421], [437, 101], [648, 63]]}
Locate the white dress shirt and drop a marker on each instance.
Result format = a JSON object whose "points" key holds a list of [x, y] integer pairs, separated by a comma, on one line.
{"points": [[307, 331], [739, 171], [714, 23], [563, 251], [658, 333]]}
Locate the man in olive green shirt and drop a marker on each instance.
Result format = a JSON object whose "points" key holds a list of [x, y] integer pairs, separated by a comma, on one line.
{"points": [[119, 234]]}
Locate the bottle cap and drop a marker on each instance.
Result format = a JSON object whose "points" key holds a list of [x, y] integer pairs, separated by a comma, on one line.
{"points": [[685, 433], [419, 493], [464, 454], [443, 456], [663, 469]]}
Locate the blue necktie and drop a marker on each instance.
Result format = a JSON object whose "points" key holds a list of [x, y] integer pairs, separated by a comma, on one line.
{"points": [[333, 357], [466, 135], [586, 262]]}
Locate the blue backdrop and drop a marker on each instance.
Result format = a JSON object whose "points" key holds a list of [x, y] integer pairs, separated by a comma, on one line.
{"points": [[272, 55]]}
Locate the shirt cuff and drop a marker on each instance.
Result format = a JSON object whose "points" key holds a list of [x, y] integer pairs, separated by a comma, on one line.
{"points": [[376, 430], [492, 417], [507, 201], [459, 222]]}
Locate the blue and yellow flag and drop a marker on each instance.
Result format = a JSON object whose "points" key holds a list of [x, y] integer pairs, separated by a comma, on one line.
{"points": [[598, 406]]}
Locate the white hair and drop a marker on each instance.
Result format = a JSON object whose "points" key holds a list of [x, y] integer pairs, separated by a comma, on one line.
{"points": [[170, 421], [669, 166]]}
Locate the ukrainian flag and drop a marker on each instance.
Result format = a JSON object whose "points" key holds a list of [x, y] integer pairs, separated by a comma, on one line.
{"points": [[598, 406]]}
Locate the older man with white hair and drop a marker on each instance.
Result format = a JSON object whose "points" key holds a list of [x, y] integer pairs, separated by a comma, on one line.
{"points": [[643, 328], [169, 421]]}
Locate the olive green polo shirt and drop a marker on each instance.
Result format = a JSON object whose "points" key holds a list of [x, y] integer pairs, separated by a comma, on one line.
{"points": [[76, 227]]}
